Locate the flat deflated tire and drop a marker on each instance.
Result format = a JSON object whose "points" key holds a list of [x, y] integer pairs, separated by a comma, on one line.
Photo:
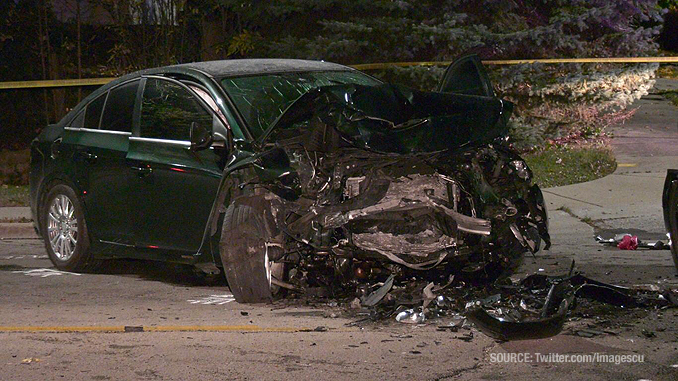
{"points": [[243, 254]]}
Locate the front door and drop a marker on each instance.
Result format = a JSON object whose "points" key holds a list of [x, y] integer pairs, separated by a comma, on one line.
{"points": [[172, 186], [101, 136]]}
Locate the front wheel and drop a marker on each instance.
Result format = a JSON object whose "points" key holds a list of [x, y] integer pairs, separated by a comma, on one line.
{"points": [[64, 230], [244, 250]]}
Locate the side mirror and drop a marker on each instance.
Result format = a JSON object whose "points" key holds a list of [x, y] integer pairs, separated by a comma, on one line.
{"points": [[201, 137], [222, 137]]}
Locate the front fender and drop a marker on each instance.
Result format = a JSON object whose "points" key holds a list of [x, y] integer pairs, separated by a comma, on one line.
{"points": [[269, 169]]}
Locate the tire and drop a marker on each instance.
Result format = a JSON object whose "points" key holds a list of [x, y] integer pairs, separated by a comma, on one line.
{"points": [[244, 256], [64, 230], [673, 224]]}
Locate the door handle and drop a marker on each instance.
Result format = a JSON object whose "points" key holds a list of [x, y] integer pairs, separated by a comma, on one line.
{"points": [[88, 156], [142, 171]]}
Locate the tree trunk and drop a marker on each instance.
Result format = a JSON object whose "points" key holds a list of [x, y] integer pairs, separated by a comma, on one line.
{"points": [[211, 37], [43, 59], [78, 21]]}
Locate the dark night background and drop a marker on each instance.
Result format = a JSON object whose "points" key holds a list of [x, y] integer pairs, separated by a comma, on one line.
{"points": [[56, 39]]}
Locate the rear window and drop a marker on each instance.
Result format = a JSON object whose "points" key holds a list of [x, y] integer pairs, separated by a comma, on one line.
{"points": [[93, 112], [120, 108], [262, 99]]}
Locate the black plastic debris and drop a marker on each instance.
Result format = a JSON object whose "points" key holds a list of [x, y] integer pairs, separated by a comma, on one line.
{"points": [[505, 328], [605, 294]]}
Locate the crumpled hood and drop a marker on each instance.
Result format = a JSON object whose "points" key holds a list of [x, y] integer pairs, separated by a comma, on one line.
{"points": [[395, 119]]}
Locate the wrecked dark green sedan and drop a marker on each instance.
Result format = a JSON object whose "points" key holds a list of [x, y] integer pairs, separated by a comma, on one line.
{"points": [[288, 175]]}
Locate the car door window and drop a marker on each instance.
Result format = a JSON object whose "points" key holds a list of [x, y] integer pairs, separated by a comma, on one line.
{"points": [[79, 120], [168, 110], [93, 112], [120, 108]]}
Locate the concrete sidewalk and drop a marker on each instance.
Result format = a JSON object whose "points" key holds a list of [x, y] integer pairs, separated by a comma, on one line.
{"points": [[630, 199], [14, 213], [15, 223]]}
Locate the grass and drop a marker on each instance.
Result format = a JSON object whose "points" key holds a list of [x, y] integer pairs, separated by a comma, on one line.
{"points": [[668, 71], [13, 195], [556, 166], [671, 95]]}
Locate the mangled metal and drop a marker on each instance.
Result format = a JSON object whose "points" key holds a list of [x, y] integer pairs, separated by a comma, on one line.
{"points": [[533, 319], [364, 182]]}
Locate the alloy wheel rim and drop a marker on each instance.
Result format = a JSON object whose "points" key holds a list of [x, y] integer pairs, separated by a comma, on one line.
{"points": [[62, 227]]}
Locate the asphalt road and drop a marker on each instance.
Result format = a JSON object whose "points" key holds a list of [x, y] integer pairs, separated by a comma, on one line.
{"points": [[56, 325], [193, 329]]}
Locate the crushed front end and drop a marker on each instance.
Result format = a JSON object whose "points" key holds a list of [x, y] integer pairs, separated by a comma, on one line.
{"points": [[428, 187]]}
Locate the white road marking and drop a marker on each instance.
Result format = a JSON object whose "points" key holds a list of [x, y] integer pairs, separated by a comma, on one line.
{"points": [[213, 299], [24, 257], [43, 273]]}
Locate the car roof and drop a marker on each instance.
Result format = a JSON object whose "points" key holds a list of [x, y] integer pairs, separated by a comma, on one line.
{"points": [[243, 67], [218, 69]]}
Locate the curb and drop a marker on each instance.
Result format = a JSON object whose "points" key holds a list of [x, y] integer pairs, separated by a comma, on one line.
{"points": [[21, 230]]}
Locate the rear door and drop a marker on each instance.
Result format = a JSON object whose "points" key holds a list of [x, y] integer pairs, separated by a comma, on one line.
{"points": [[101, 135], [173, 187], [466, 75]]}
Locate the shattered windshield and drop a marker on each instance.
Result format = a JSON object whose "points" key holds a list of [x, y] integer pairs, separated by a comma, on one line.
{"points": [[261, 99]]}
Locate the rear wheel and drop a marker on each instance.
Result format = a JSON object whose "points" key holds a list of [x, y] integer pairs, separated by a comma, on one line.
{"points": [[244, 249], [65, 230]]}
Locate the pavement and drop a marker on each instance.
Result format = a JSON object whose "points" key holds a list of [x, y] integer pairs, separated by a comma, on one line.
{"points": [[58, 325]]}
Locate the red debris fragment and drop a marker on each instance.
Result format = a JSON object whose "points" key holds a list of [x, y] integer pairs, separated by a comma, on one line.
{"points": [[629, 242]]}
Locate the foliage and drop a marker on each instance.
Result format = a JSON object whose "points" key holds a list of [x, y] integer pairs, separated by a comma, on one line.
{"points": [[671, 5], [559, 104], [668, 71], [14, 167], [374, 31], [119, 36], [14, 195]]}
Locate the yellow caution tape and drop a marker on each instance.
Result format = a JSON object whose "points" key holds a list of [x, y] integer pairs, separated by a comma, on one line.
{"points": [[372, 66]]}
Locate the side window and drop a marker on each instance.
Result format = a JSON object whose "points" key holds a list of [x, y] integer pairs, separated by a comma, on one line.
{"points": [[93, 112], [79, 120], [120, 108], [168, 110]]}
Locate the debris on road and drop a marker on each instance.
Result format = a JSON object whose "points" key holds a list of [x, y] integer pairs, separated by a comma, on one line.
{"points": [[628, 242], [536, 306], [631, 242], [410, 317]]}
